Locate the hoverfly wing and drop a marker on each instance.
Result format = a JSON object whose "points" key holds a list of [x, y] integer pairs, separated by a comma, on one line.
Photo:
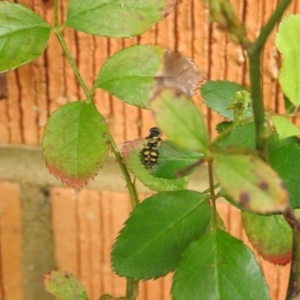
{"points": [[128, 146]]}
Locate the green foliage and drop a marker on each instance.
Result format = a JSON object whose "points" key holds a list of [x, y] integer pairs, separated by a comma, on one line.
{"points": [[133, 161], [157, 232], [175, 229], [262, 230], [284, 160], [287, 42], [240, 136], [185, 130], [64, 286], [175, 162], [133, 73], [130, 74], [23, 35], [115, 18], [223, 126], [240, 105], [284, 127], [251, 183], [218, 266], [75, 143], [218, 96]]}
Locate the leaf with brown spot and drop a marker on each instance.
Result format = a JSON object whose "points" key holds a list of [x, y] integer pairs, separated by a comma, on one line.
{"points": [[135, 73], [75, 143], [271, 236], [170, 7], [64, 286], [251, 183]]}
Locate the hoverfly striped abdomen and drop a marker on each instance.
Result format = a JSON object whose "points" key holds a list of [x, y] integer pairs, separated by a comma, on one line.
{"points": [[150, 152]]}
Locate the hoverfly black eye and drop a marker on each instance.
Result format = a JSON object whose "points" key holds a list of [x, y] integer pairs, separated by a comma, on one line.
{"points": [[155, 133]]}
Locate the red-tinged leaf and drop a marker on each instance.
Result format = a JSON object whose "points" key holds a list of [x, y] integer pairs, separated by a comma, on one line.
{"points": [[271, 236], [64, 286], [134, 72], [75, 143]]}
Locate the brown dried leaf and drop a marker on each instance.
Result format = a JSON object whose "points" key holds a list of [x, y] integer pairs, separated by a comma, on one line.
{"points": [[180, 73], [170, 6]]}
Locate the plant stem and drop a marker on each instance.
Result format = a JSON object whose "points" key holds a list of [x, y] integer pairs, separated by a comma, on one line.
{"points": [[212, 191], [131, 285], [61, 40], [132, 289], [131, 187], [267, 29], [74, 67], [257, 102], [254, 55], [293, 291], [56, 14]]}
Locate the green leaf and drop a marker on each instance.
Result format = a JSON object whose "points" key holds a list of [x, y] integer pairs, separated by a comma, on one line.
{"points": [[220, 222], [130, 74], [133, 161], [284, 160], [275, 142], [173, 160], [180, 120], [287, 42], [218, 95], [116, 18], [240, 105], [218, 266], [134, 72], [157, 232], [75, 143], [284, 127], [288, 105], [251, 183], [64, 286], [222, 126], [264, 232], [242, 135], [23, 35]]}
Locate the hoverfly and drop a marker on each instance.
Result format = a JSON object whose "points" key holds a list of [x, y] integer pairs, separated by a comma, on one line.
{"points": [[150, 150]]}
